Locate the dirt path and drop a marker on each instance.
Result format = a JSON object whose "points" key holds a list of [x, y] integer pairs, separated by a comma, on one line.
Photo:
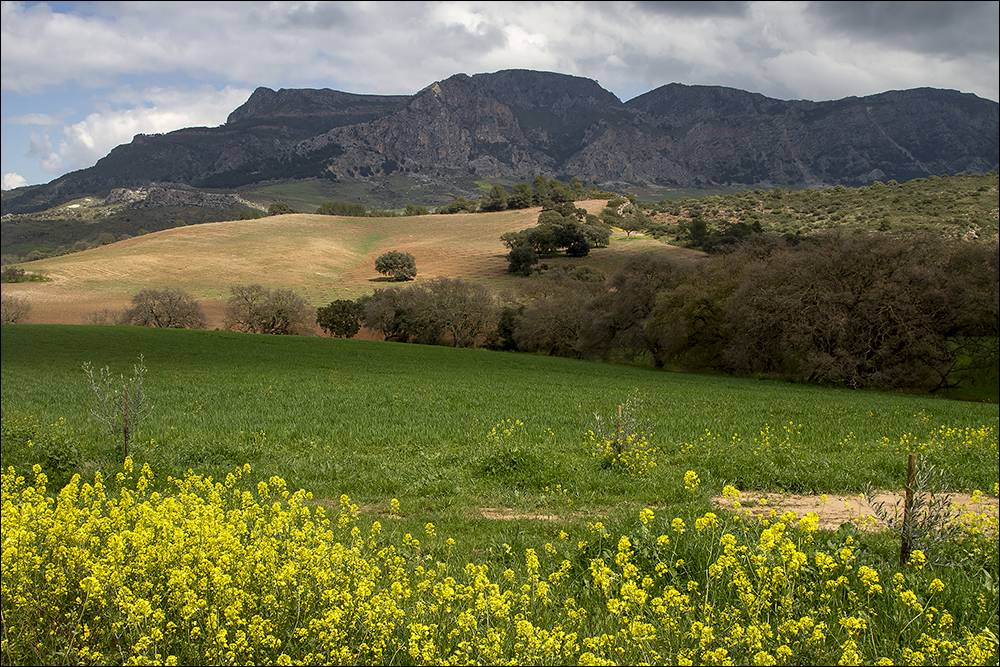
{"points": [[835, 510], [832, 510]]}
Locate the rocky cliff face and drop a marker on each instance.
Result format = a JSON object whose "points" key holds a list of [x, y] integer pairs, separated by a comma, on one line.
{"points": [[515, 124], [156, 197]]}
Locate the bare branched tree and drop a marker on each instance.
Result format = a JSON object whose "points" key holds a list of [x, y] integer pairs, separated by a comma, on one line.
{"points": [[168, 308], [13, 309], [257, 309], [120, 404]]}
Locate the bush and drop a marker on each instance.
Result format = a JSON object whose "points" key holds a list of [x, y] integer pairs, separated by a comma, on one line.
{"points": [[342, 208], [399, 265]]}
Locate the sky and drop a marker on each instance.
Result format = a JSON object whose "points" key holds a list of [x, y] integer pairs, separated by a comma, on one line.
{"points": [[79, 78]]}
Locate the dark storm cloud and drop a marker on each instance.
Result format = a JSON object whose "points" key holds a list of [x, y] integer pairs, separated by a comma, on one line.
{"points": [[954, 28], [695, 9]]}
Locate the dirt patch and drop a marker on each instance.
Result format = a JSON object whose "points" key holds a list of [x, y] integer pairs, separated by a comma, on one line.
{"points": [[835, 510], [832, 510]]}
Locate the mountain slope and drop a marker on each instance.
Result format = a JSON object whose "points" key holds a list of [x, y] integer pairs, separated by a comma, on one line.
{"points": [[514, 124]]}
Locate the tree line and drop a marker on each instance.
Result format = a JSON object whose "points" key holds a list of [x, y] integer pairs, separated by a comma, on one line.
{"points": [[848, 308]]}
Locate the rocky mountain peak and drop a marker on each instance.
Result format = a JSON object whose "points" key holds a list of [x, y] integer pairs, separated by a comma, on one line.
{"points": [[515, 124]]}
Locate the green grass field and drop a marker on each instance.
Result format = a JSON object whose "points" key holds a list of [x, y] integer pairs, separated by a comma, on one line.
{"points": [[378, 420], [422, 440]]}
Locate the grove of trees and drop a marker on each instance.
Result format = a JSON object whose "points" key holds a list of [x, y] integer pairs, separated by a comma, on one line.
{"points": [[847, 307], [560, 227], [436, 312]]}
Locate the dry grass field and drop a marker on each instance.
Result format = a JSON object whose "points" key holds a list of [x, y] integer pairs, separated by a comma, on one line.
{"points": [[321, 257]]}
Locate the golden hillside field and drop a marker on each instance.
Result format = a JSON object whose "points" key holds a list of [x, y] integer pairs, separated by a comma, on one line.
{"points": [[321, 257]]}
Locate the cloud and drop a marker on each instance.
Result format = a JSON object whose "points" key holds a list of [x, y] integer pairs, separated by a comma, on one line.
{"points": [[127, 112], [32, 119], [948, 28], [11, 181], [40, 149], [399, 47]]}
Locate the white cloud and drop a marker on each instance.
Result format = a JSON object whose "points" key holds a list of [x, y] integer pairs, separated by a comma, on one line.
{"points": [[11, 181], [151, 111], [31, 119]]}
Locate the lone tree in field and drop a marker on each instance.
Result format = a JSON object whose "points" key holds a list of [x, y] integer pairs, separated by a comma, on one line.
{"points": [[399, 265], [170, 308], [341, 318]]}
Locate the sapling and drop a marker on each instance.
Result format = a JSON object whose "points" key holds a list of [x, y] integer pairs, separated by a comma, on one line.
{"points": [[120, 404]]}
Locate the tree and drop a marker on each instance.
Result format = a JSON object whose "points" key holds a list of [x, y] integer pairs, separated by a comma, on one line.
{"points": [[400, 265], [541, 195], [520, 196], [121, 404], [340, 318], [552, 318], [465, 309], [858, 309], [614, 324], [256, 309], [521, 259], [280, 208], [13, 309], [635, 222], [597, 233], [513, 240], [496, 200], [342, 208], [169, 308]]}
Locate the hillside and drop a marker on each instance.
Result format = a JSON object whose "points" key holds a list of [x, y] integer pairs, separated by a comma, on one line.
{"points": [[321, 257], [510, 125]]}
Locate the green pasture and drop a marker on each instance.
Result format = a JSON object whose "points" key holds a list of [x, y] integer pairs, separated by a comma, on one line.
{"points": [[464, 437], [380, 420]]}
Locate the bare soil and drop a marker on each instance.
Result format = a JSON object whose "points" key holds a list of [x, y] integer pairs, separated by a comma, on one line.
{"points": [[833, 511], [836, 510]]}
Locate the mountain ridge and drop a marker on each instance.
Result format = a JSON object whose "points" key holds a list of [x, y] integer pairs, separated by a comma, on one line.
{"points": [[511, 125]]}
